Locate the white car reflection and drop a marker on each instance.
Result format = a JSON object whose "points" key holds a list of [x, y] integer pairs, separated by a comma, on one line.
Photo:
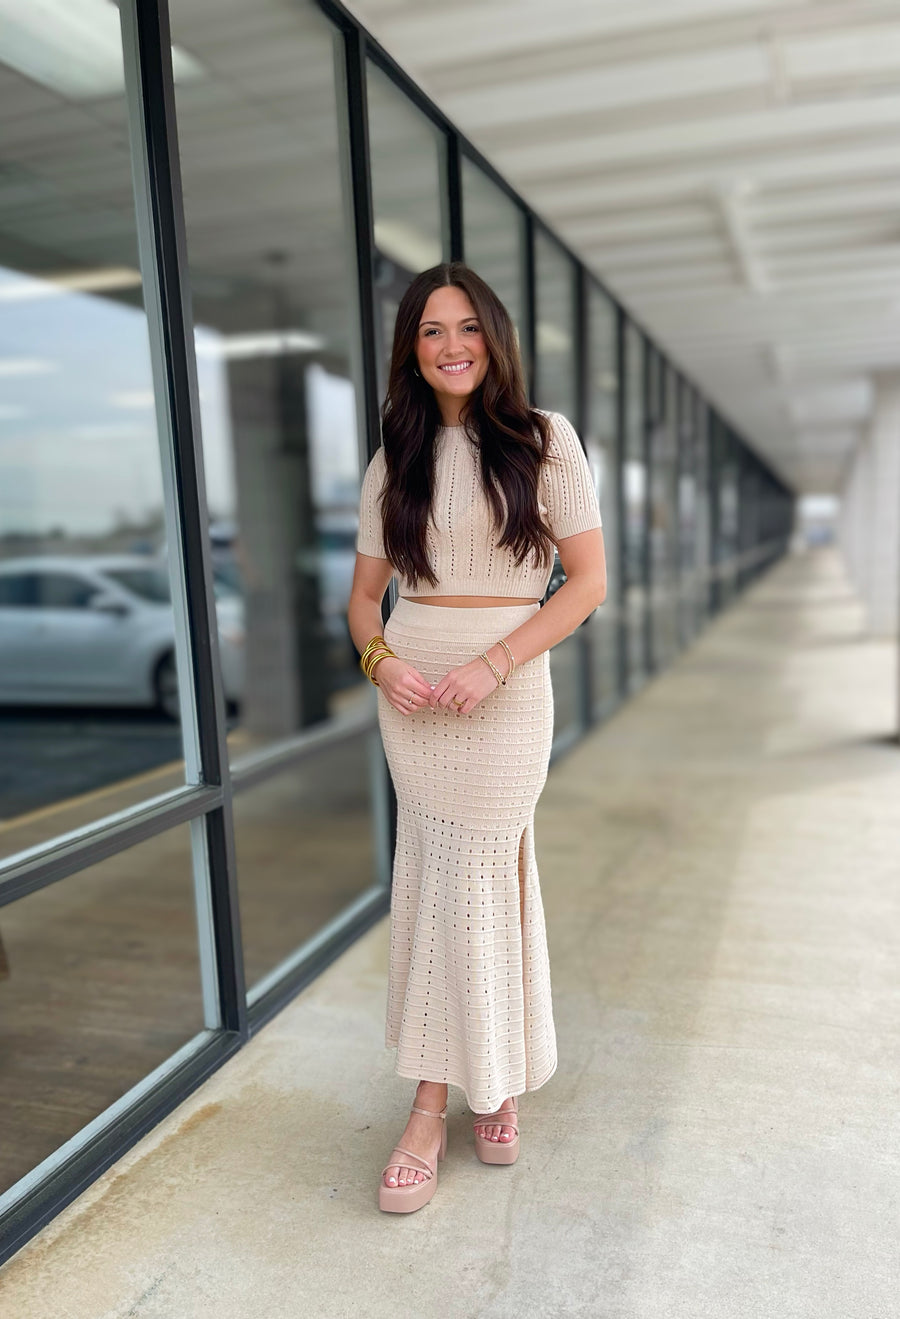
{"points": [[99, 630]]}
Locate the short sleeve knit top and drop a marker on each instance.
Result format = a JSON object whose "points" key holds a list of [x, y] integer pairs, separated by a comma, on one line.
{"points": [[462, 537]]}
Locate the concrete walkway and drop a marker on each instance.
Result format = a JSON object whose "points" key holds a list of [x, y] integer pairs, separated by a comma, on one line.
{"points": [[720, 872]]}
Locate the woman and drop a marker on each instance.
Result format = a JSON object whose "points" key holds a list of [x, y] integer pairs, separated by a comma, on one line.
{"points": [[464, 502]]}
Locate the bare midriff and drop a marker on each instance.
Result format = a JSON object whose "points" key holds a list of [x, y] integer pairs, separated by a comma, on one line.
{"points": [[471, 601]]}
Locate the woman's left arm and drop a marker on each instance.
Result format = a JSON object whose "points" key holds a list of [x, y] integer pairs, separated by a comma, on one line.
{"points": [[584, 563]]}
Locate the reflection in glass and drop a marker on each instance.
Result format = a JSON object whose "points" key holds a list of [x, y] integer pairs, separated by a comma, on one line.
{"points": [[727, 467], [494, 238], [407, 155], [555, 391], [689, 586], [305, 850], [409, 199], [554, 326], [100, 983], [272, 300], [663, 511], [270, 249], [87, 668], [704, 548], [601, 443], [634, 475]]}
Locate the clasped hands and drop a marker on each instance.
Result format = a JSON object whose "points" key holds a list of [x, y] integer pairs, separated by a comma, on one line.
{"points": [[459, 691]]}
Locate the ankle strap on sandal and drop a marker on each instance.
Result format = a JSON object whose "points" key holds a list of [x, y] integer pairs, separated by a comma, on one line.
{"points": [[499, 1112], [503, 1117], [426, 1112]]}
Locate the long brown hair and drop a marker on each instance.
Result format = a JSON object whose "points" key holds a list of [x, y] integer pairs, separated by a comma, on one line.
{"points": [[512, 436]]}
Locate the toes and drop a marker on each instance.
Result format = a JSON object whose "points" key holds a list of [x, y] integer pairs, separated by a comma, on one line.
{"points": [[390, 1176]]}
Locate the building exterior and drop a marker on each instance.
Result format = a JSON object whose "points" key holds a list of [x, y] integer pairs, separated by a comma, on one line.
{"points": [[209, 222]]}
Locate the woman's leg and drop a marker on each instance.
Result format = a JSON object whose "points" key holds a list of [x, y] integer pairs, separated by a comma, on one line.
{"points": [[422, 1135], [491, 1131], [469, 998]]}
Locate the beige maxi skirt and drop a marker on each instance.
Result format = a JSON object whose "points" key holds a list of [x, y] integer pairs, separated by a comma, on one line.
{"points": [[469, 983]]}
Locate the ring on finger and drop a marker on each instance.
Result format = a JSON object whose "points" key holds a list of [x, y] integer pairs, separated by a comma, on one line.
{"points": [[457, 703]]}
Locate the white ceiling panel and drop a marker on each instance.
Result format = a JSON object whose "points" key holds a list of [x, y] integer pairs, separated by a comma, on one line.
{"points": [[845, 53], [729, 168]]}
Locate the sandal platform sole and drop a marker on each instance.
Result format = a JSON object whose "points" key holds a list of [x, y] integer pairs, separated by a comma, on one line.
{"points": [[490, 1151]]}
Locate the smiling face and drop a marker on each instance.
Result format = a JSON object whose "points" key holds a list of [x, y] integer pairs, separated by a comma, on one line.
{"points": [[451, 352]]}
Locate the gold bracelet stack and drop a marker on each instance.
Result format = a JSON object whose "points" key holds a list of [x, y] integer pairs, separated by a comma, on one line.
{"points": [[509, 655], [377, 649], [493, 668]]}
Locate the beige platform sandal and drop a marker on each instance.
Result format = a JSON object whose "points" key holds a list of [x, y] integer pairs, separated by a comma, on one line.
{"points": [[498, 1151], [404, 1199]]}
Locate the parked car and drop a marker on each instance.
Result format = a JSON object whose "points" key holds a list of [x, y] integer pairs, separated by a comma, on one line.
{"points": [[99, 630]]}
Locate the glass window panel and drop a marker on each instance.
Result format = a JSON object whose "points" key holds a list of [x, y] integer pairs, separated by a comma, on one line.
{"points": [[555, 389], [601, 439], [494, 238], [408, 161], [704, 510], [566, 672], [728, 511], [554, 326], [87, 717], [273, 287], [100, 981], [274, 310], [688, 576], [601, 443], [635, 504], [663, 510], [305, 850], [409, 198]]}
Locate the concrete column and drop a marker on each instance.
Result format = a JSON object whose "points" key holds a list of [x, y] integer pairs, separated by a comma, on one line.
{"points": [[870, 512], [853, 522]]}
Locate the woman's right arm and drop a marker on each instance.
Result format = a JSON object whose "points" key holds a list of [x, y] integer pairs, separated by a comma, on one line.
{"points": [[398, 680]]}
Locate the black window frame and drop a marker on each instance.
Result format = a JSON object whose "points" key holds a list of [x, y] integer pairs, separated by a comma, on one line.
{"points": [[205, 800]]}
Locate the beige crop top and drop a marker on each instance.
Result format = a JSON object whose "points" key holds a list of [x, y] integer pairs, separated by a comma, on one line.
{"points": [[462, 537]]}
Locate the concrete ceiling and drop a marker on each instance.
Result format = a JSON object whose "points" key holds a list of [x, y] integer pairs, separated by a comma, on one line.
{"points": [[730, 168]]}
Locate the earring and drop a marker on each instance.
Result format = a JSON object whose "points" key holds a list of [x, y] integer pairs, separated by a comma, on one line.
{"points": [[416, 372]]}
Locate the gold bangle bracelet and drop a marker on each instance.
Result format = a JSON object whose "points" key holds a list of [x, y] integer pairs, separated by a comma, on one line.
{"points": [[374, 656], [372, 645], [375, 644], [387, 654], [377, 649], [382, 649], [493, 668], [512, 662], [372, 678]]}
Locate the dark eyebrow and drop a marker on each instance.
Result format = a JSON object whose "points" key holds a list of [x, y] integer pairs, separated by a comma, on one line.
{"points": [[465, 320]]}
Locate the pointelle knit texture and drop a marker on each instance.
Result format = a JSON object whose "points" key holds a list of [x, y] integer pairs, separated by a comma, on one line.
{"points": [[469, 996], [461, 540], [469, 1000]]}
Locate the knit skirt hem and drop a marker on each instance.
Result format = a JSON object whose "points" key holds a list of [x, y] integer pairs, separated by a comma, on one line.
{"points": [[461, 1081], [469, 999]]}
